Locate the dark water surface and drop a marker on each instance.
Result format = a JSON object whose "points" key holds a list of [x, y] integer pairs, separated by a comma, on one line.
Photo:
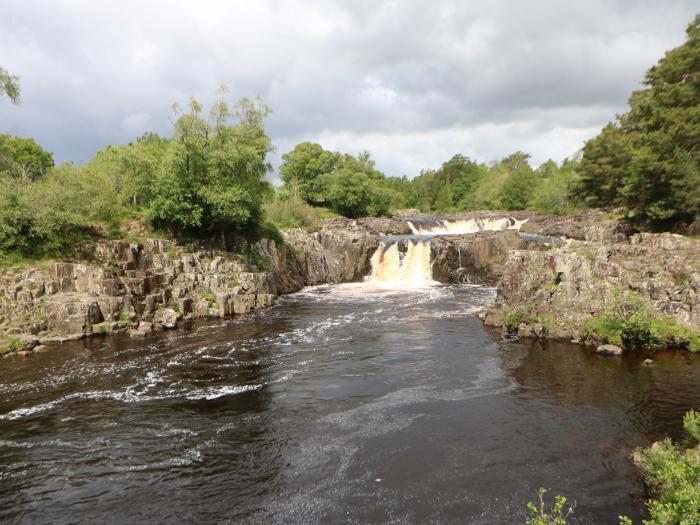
{"points": [[337, 405]]}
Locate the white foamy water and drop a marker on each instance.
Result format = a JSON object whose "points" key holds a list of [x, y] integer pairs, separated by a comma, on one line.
{"points": [[394, 269], [391, 268], [464, 226]]}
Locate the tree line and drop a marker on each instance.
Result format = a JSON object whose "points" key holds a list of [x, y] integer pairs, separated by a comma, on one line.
{"points": [[207, 179], [210, 177]]}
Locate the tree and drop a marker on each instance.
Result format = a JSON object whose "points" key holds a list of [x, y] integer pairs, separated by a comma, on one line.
{"points": [[23, 158], [649, 159], [304, 167], [519, 188], [605, 167], [354, 193], [9, 86], [213, 175], [132, 167]]}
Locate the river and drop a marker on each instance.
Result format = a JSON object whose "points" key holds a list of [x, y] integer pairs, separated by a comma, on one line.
{"points": [[346, 403]]}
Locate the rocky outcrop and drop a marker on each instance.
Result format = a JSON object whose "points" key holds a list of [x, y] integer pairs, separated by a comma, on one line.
{"points": [[155, 284], [592, 226], [478, 258], [129, 285], [331, 255], [562, 287]]}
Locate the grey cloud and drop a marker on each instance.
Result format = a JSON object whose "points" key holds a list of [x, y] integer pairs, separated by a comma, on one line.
{"points": [[413, 81]]}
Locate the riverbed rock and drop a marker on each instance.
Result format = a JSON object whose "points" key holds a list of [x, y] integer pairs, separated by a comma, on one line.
{"points": [[609, 350]]}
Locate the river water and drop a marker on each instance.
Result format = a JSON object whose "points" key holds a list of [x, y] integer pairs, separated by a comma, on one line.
{"points": [[340, 404]]}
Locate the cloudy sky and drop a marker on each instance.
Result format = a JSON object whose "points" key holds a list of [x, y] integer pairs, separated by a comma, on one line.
{"points": [[413, 82]]}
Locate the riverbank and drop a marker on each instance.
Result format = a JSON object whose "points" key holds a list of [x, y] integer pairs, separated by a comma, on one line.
{"points": [[557, 277]]}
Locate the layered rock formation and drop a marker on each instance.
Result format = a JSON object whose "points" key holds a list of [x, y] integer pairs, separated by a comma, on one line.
{"points": [[155, 284], [555, 273], [558, 289]]}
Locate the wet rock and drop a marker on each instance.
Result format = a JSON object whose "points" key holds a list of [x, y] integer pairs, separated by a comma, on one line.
{"points": [[185, 305], [41, 348], [609, 350], [648, 362]]}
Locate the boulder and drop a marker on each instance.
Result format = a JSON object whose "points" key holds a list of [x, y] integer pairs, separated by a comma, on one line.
{"points": [[609, 350], [167, 318]]}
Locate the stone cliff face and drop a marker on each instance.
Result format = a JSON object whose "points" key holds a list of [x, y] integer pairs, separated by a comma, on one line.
{"points": [[477, 258], [332, 255], [139, 287], [558, 270], [566, 285]]}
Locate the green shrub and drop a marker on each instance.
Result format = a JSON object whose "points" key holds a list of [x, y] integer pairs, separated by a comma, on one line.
{"points": [[559, 515], [691, 424], [633, 323], [604, 328], [513, 320], [208, 295], [256, 261], [672, 473]]}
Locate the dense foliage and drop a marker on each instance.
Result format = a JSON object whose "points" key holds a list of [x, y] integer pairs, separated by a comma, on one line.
{"points": [[349, 185], [648, 160], [22, 158], [207, 179], [353, 187], [509, 184], [212, 178], [672, 472]]}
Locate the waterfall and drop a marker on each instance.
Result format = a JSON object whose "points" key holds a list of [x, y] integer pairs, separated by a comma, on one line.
{"points": [[394, 268], [412, 269], [462, 226]]}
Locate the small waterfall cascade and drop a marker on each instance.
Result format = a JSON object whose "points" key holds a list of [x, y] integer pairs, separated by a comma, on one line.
{"points": [[410, 269], [396, 267], [463, 226]]}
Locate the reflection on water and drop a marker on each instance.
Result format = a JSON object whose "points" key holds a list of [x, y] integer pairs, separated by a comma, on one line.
{"points": [[342, 403]]}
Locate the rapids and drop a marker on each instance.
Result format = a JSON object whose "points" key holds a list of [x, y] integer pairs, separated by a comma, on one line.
{"points": [[349, 403]]}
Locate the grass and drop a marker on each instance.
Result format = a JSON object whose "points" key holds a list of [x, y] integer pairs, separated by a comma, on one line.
{"points": [[9, 344], [254, 260], [633, 323], [125, 317], [291, 212], [206, 294], [326, 213], [515, 318]]}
